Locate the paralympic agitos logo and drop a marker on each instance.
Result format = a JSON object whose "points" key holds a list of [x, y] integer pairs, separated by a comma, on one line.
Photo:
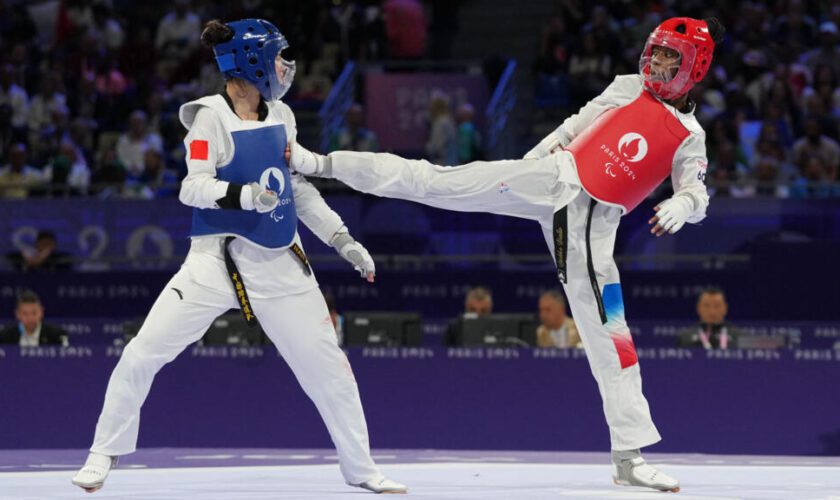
{"points": [[632, 148]]}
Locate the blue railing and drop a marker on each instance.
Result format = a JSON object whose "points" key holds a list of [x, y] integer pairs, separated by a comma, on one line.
{"points": [[497, 113], [331, 114]]}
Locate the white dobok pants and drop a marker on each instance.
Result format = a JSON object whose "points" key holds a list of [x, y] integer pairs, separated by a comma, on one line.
{"points": [[299, 325], [546, 190]]}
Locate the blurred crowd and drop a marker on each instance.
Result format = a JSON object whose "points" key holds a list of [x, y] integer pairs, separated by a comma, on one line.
{"points": [[90, 89], [770, 105]]}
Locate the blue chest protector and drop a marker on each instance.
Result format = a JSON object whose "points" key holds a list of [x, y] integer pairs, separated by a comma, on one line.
{"points": [[258, 157]]}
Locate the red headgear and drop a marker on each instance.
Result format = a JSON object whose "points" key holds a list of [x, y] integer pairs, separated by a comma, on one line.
{"points": [[691, 38]]}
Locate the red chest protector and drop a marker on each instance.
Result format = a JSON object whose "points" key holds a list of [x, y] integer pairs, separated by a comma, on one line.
{"points": [[628, 151]]}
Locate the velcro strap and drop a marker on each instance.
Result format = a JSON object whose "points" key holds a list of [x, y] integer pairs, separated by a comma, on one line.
{"points": [[226, 62], [232, 200]]}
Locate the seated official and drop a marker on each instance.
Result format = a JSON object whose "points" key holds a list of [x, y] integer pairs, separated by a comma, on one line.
{"points": [[556, 328], [478, 302], [30, 329], [713, 331]]}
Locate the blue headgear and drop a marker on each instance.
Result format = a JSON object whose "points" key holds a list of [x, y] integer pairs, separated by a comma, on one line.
{"points": [[253, 54]]}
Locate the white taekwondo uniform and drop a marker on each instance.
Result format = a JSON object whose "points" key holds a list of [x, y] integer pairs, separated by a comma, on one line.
{"points": [[577, 183]]}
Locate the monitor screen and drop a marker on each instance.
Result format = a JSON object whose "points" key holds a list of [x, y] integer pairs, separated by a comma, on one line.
{"points": [[498, 329], [380, 328]]}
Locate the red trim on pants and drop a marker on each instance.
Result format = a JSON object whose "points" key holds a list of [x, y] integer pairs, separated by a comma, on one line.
{"points": [[626, 350]]}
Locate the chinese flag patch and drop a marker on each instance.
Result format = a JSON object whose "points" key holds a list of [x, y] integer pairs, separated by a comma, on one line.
{"points": [[198, 150]]}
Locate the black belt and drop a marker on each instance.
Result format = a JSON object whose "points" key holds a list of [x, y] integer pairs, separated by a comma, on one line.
{"points": [[590, 266], [561, 243], [239, 285]]}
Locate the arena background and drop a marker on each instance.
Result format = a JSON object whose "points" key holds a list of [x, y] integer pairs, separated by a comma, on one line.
{"points": [[78, 78]]}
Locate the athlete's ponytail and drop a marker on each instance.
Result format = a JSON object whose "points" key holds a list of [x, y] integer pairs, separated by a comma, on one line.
{"points": [[215, 32], [716, 29]]}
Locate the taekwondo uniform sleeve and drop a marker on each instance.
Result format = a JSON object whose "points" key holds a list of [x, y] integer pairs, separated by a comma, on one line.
{"points": [[313, 211], [688, 174], [205, 144], [311, 208], [621, 91]]}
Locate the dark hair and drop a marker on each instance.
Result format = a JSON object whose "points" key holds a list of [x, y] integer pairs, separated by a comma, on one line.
{"points": [[712, 290], [716, 29], [45, 235], [215, 32], [554, 294], [479, 293], [28, 297]]}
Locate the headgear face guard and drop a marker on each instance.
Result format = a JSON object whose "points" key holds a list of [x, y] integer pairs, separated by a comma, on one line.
{"points": [[254, 55], [665, 77]]}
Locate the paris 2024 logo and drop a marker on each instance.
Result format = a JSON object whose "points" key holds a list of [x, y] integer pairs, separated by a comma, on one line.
{"points": [[632, 148]]}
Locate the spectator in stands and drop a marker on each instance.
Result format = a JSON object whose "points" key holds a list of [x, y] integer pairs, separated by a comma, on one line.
{"points": [[726, 171], [44, 257], [816, 180], [815, 143], [110, 175], [81, 135], [206, 81], [442, 146], [795, 29], [556, 47], [764, 180], [405, 28], [770, 146], [827, 53], [105, 29], [138, 53], [42, 106], [14, 96], [154, 109], [18, 177], [353, 135], [110, 83], [818, 107], [30, 329], [337, 319], [605, 29], [469, 139], [590, 69], [176, 39], [155, 181], [132, 145], [828, 92], [713, 331], [67, 171], [556, 328]]}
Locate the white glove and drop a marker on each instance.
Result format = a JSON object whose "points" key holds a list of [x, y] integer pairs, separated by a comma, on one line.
{"points": [[671, 215], [551, 144], [262, 200], [354, 253], [536, 153], [308, 163]]}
